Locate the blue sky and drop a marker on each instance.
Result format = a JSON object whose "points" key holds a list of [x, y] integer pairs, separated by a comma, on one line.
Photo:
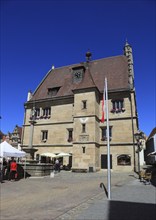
{"points": [[38, 34]]}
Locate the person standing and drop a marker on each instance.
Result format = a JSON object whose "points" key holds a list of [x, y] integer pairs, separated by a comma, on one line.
{"points": [[4, 168], [13, 170], [57, 165]]}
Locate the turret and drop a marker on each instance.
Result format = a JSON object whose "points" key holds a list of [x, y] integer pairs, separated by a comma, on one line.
{"points": [[129, 55]]}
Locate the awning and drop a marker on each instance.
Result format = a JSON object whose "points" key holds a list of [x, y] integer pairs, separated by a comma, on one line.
{"points": [[152, 153]]}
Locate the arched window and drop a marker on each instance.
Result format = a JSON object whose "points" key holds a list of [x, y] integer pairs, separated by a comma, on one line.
{"points": [[124, 160]]}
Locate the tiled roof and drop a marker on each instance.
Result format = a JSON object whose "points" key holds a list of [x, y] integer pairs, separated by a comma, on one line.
{"points": [[114, 68], [20, 131]]}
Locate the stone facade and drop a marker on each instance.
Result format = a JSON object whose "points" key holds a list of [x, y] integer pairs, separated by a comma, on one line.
{"points": [[70, 121]]}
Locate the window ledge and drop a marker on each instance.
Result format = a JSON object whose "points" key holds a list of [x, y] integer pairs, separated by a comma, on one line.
{"points": [[118, 110]]}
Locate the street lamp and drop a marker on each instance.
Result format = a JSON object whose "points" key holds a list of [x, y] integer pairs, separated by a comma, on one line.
{"points": [[139, 136]]}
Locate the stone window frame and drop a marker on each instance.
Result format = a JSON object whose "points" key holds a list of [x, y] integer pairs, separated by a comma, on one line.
{"points": [[104, 133], [44, 135], [70, 134], [46, 112], [118, 105], [37, 112], [84, 104], [83, 149], [83, 128], [125, 160]]}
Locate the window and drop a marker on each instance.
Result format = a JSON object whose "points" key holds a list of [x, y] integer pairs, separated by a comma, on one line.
{"points": [[124, 160], [104, 133], [37, 112], [84, 104], [83, 128], [70, 135], [118, 106], [44, 136], [46, 112], [83, 150], [53, 91]]}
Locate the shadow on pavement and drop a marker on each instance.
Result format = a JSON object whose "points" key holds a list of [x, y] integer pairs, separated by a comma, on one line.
{"points": [[131, 211]]}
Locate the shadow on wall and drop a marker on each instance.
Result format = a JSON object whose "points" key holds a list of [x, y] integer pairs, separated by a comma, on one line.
{"points": [[131, 211]]}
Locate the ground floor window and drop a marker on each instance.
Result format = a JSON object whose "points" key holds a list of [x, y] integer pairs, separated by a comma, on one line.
{"points": [[104, 161], [124, 160]]}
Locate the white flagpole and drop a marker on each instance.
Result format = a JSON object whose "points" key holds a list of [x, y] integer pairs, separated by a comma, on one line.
{"points": [[108, 145]]}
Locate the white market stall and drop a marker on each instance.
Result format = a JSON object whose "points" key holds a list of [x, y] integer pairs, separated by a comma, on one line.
{"points": [[6, 150]]}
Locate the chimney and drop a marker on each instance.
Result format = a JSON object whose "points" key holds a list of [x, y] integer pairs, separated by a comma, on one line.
{"points": [[29, 96]]}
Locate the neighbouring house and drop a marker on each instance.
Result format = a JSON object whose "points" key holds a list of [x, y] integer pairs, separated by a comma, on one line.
{"points": [[15, 137], [64, 114], [2, 136], [150, 152]]}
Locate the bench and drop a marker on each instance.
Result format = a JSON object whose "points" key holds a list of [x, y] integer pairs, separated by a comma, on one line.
{"points": [[79, 170]]}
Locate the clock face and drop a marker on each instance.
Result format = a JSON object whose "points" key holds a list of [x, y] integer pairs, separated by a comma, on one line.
{"points": [[78, 75]]}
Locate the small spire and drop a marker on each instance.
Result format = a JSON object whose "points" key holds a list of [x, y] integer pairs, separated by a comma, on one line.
{"points": [[126, 44]]}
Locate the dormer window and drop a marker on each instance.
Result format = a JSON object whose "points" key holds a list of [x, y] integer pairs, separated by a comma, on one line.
{"points": [[53, 91]]}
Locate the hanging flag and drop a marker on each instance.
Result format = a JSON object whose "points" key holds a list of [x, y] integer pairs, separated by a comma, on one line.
{"points": [[103, 105]]}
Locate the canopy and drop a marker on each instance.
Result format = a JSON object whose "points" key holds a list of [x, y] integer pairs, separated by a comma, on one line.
{"points": [[6, 150], [48, 154]]}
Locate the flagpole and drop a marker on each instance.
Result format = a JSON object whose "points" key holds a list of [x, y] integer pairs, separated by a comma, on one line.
{"points": [[108, 145]]}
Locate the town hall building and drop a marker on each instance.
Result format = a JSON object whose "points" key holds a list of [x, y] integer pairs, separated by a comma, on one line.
{"points": [[64, 114]]}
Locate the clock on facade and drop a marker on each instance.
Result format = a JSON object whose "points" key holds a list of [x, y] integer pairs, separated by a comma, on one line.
{"points": [[78, 75]]}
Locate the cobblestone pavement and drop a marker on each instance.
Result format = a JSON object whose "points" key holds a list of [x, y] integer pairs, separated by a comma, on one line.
{"points": [[66, 196]]}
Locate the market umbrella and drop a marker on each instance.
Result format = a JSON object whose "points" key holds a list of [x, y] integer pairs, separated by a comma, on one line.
{"points": [[62, 154], [48, 154]]}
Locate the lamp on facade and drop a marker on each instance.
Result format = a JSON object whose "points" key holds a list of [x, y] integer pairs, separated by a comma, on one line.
{"points": [[139, 136]]}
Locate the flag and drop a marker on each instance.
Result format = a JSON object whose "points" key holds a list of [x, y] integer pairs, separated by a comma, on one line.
{"points": [[103, 114], [103, 106]]}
